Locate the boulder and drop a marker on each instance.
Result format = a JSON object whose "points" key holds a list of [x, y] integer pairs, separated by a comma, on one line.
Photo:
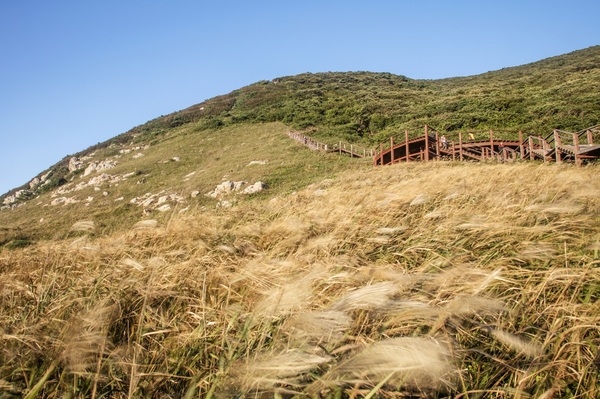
{"points": [[224, 188], [34, 183], [255, 188], [75, 164]]}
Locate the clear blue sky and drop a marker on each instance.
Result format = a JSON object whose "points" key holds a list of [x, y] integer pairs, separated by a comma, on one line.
{"points": [[74, 73]]}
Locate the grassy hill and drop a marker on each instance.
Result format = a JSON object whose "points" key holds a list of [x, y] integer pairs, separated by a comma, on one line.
{"points": [[357, 107], [339, 280]]}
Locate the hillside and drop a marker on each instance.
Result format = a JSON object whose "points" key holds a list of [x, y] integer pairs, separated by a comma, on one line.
{"points": [[216, 138], [205, 254]]}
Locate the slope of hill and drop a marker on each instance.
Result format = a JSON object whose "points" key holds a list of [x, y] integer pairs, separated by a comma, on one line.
{"points": [[131, 270], [359, 107]]}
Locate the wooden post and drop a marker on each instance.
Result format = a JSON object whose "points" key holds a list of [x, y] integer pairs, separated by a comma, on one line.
{"points": [[453, 151], [426, 143], [557, 143], [521, 147], [576, 144], [392, 150], [590, 137], [460, 146], [407, 146], [530, 142], [381, 154], [491, 143], [437, 145]]}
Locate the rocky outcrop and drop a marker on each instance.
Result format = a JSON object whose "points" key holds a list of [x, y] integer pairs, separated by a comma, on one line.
{"points": [[225, 188], [229, 187], [254, 188], [161, 201], [75, 164], [99, 167]]}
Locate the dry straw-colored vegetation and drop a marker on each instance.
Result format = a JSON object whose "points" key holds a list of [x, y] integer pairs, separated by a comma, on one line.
{"points": [[417, 280]]}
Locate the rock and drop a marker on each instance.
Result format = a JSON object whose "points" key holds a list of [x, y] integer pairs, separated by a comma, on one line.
{"points": [[254, 188], [195, 193], [147, 202], [34, 183], [228, 187], [222, 189], [263, 162], [9, 200], [91, 168], [45, 177], [63, 201], [75, 164], [99, 167], [164, 208], [103, 178]]}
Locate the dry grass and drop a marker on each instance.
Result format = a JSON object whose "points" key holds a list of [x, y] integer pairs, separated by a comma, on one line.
{"points": [[422, 280]]}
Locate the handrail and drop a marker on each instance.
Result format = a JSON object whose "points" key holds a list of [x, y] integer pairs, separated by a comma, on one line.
{"points": [[558, 144], [345, 148], [533, 146]]}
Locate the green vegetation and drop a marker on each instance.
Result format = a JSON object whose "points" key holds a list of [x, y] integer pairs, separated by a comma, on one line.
{"points": [[560, 92]]}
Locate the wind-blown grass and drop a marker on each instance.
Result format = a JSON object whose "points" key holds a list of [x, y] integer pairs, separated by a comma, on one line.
{"points": [[495, 296]]}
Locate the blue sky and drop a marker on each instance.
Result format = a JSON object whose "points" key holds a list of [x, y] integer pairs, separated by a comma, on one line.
{"points": [[75, 73]]}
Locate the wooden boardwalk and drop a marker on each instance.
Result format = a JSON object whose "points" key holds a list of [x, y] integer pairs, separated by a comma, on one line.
{"points": [[559, 146]]}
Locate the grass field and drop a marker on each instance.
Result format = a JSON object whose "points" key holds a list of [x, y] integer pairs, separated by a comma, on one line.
{"points": [[416, 280]]}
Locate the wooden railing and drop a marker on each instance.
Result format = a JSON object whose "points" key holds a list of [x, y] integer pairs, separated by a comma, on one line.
{"points": [[308, 141], [342, 148], [557, 145]]}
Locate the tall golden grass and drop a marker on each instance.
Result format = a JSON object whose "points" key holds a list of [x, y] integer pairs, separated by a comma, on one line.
{"points": [[417, 280]]}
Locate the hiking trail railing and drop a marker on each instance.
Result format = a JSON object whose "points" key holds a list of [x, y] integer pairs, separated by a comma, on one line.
{"points": [[557, 146], [342, 148]]}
